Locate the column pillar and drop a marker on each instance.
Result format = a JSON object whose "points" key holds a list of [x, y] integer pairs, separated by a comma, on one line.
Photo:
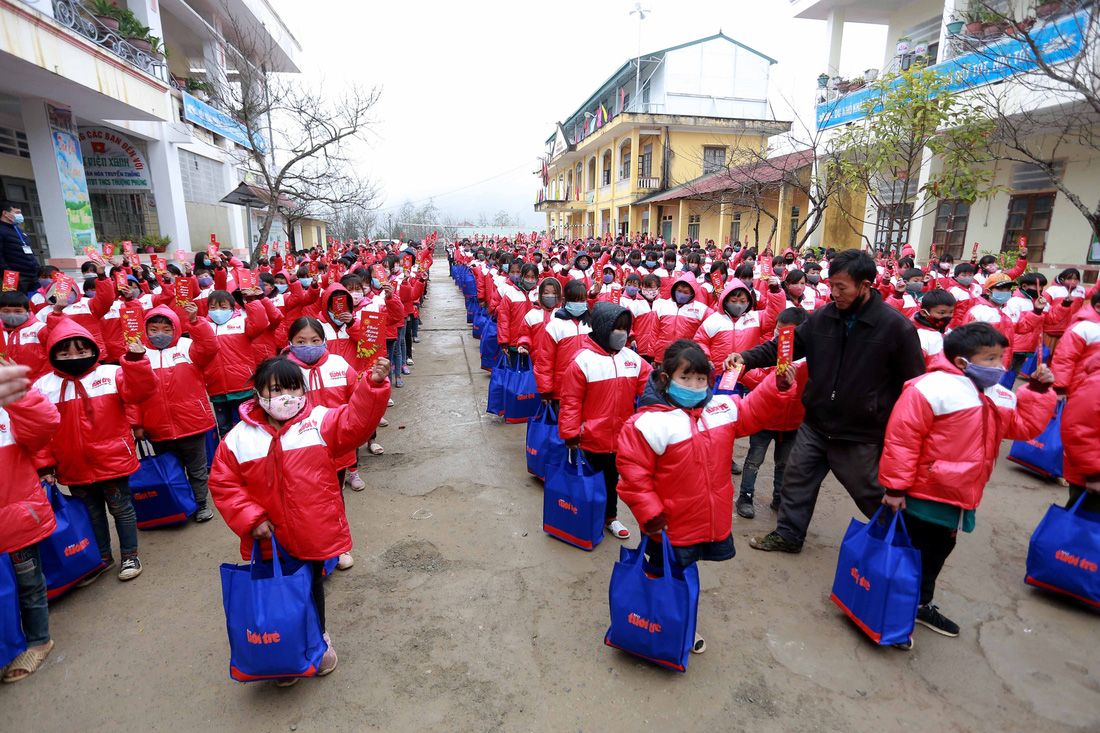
{"points": [[681, 224], [723, 231], [164, 174], [834, 31], [148, 14], [783, 216], [635, 156]]}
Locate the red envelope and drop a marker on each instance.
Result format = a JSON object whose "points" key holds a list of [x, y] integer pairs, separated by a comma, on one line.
{"points": [[339, 306], [181, 256], [130, 315], [766, 270], [786, 348], [63, 286], [121, 282], [183, 291], [108, 249], [378, 272], [212, 248], [11, 280], [127, 247], [974, 255], [729, 379], [93, 254], [264, 249], [373, 345], [313, 268], [407, 261], [135, 259], [716, 282], [616, 293]]}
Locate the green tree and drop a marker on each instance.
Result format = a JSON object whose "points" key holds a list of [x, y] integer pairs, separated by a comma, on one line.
{"points": [[910, 116]]}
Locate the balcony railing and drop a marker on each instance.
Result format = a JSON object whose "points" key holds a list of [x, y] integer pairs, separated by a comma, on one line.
{"points": [[76, 17], [649, 183]]}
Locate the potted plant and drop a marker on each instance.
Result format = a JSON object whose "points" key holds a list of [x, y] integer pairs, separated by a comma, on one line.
{"points": [[992, 30], [136, 34], [955, 26], [903, 45], [107, 13], [1047, 9], [975, 22], [158, 48], [198, 88], [822, 80], [921, 47]]}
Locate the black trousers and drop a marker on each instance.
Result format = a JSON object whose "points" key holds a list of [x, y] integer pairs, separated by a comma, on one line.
{"points": [[319, 589], [935, 543], [606, 462]]}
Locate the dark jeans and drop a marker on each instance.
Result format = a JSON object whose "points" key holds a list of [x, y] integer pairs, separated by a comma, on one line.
{"points": [[227, 415], [409, 329], [606, 462], [112, 496], [1091, 502], [935, 543], [415, 326], [319, 589], [33, 609], [813, 455], [758, 449], [191, 450]]}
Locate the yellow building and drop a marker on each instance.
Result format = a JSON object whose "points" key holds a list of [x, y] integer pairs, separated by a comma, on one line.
{"points": [[662, 120]]}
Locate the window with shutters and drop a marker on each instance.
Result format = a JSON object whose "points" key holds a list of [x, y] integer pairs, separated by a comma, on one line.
{"points": [[693, 226], [795, 213], [645, 163]]}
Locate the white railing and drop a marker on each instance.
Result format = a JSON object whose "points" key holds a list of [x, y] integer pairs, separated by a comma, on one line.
{"points": [[649, 183]]}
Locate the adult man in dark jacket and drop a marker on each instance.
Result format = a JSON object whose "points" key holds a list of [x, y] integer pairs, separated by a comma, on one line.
{"points": [[15, 249], [859, 353]]}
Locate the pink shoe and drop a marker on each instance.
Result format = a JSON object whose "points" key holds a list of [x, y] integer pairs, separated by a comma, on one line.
{"points": [[329, 660]]}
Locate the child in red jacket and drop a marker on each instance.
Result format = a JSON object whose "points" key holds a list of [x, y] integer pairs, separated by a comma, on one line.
{"points": [[93, 450], [942, 441], [22, 337], [26, 518], [781, 430], [675, 454], [228, 374]]}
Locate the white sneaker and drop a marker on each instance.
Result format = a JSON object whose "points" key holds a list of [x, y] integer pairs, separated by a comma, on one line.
{"points": [[345, 561], [383, 423], [389, 404], [409, 361], [618, 529]]}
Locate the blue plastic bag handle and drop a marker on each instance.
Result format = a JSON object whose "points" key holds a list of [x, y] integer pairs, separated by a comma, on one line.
{"points": [[666, 547], [274, 556], [891, 531]]}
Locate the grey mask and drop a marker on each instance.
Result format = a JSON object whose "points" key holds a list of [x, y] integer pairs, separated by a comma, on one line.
{"points": [[617, 340]]}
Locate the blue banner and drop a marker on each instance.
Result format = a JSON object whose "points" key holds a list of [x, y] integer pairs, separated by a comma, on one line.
{"points": [[213, 119], [1058, 41]]}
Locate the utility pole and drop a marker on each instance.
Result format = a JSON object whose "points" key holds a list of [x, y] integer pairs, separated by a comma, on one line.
{"points": [[638, 71]]}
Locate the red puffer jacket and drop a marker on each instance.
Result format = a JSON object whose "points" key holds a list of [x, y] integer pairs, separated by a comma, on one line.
{"points": [[597, 395], [514, 305], [330, 383], [676, 462], [1081, 431], [288, 476], [26, 516], [1077, 359], [675, 322], [719, 335], [267, 344], [179, 406], [342, 339], [534, 321], [555, 348], [232, 368], [944, 435], [26, 345], [792, 414], [93, 442], [644, 330]]}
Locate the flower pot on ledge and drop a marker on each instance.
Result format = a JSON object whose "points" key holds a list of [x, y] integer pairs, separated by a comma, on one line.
{"points": [[141, 44], [108, 22]]}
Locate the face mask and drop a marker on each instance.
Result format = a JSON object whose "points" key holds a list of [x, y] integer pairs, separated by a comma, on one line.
{"points": [[631, 291], [75, 367], [1033, 294], [796, 291], [945, 266], [682, 298], [686, 398], [576, 309], [356, 299], [651, 264], [206, 281], [135, 292], [1000, 297], [481, 257], [694, 270], [282, 407], [617, 340], [737, 248], [608, 279], [221, 316], [514, 279], [584, 265], [736, 310], [669, 266], [206, 261], [940, 324], [527, 285], [14, 320], [990, 269], [161, 341], [620, 260], [650, 294], [984, 377], [548, 301], [914, 288], [813, 279], [305, 282], [45, 283], [308, 353], [855, 306], [964, 280], [17, 219], [281, 287], [635, 263]]}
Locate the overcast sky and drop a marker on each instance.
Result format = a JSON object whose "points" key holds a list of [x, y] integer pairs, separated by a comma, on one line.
{"points": [[471, 90]]}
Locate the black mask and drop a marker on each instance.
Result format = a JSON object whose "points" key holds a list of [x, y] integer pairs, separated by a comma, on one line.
{"points": [[854, 307], [75, 367], [1033, 294]]}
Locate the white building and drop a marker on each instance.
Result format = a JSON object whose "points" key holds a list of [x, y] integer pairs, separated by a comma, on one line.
{"points": [[1057, 234], [99, 140]]}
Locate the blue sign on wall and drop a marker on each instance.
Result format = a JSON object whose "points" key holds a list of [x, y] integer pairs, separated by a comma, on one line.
{"points": [[213, 119], [1058, 41]]}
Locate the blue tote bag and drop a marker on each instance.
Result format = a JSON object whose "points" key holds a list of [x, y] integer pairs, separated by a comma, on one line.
{"points": [[653, 613], [212, 442], [271, 618], [497, 379], [1042, 454], [12, 641], [490, 347], [573, 502], [521, 395], [544, 444], [878, 579], [480, 316], [70, 554], [1064, 554], [160, 490]]}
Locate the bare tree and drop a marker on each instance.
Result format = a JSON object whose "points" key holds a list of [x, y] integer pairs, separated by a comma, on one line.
{"points": [[299, 136]]}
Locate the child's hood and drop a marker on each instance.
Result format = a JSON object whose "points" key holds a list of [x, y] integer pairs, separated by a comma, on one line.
{"points": [[696, 288], [330, 291], [67, 329], [163, 310], [735, 284], [602, 322]]}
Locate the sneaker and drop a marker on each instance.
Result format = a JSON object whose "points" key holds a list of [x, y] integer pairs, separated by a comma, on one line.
{"points": [[95, 576], [735, 469], [416, 339], [905, 646], [203, 514], [329, 660], [383, 423], [131, 568], [345, 561], [931, 617], [406, 370], [389, 403], [617, 529], [772, 542], [408, 360], [745, 507], [354, 482], [775, 503]]}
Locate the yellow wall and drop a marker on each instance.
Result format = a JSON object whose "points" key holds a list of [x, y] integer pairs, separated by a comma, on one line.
{"points": [[309, 234], [837, 232], [687, 152]]}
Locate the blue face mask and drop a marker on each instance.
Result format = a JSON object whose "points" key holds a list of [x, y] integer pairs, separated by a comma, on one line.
{"points": [[305, 282], [375, 284], [608, 279], [308, 353], [206, 282], [684, 397], [281, 287], [17, 219], [221, 316], [576, 309], [1000, 297], [631, 291], [514, 278], [682, 298], [982, 376]]}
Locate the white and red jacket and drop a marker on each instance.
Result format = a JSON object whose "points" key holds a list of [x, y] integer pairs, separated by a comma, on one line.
{"points": [[1056, 293], [288, 476], [719, 335], [931, 341], [232, 368], [330, 383], [267, 344], [555, 347], [944, 435], [514, 306], [93, 442], [676, 462], [963, 301], [1080, 428], [904, 302], [179, 406], [26, 426], [675, 321], [26, 345], [597, 395], [1077, 359], [534, 321], [88, 312], [982, 311], [644, 327]]}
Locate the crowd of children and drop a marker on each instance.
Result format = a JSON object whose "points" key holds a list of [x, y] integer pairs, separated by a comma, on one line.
{"points": [[631, 338], [283, 364]]}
